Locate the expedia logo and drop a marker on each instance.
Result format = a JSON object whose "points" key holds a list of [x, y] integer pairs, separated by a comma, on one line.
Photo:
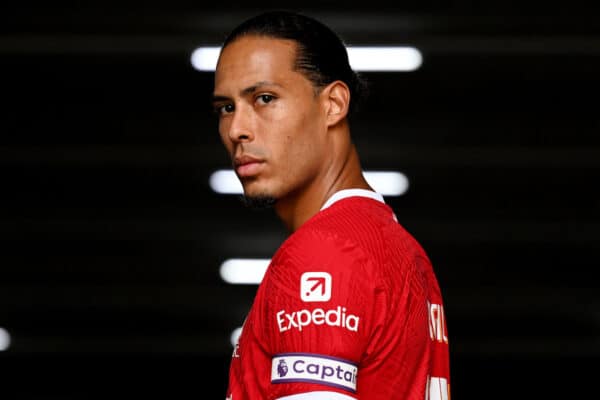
{"points": [[318, 316], [315, 286], [314, 368]]}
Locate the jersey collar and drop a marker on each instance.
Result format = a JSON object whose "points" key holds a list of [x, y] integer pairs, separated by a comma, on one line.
{"points": [[342, 194]]}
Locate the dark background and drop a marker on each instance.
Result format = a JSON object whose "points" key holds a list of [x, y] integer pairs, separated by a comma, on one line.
{"points": [[111, 238]]}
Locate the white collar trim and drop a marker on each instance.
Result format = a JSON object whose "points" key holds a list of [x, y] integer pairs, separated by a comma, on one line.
{"points": [[342, 194]]}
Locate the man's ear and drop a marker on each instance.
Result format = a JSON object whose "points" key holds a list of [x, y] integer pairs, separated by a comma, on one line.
{"points": [[336, 97]]}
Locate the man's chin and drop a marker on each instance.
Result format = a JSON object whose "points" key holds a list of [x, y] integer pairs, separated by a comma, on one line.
{"points": [[259, 202]]}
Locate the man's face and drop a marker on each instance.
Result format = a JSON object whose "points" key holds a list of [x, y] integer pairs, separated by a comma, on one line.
{"points": [[271, 121]]}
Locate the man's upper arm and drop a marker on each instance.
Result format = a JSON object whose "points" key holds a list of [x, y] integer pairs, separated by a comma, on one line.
{"points": [[316, 316]]}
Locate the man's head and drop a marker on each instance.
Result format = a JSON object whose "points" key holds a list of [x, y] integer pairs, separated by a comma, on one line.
{"points": [[321, 54], [283, 87]]}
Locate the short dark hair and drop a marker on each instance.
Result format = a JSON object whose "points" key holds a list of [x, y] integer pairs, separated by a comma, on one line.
{"points": [[322, 55]]}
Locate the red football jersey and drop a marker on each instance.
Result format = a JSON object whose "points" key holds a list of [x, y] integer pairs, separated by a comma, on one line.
{"points": [[349, 308]]}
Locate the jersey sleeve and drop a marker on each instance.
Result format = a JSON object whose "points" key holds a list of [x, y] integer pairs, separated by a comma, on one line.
{"points": [[317, 310]]}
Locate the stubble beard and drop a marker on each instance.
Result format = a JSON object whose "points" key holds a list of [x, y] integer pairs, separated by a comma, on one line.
{"points": [[257, 199], [258, 202]]}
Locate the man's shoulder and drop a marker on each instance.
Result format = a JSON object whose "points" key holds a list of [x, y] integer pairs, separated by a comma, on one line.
{"points": [[348, 215], [315, 237], [365, 228], [368, 222], [321, 247]]}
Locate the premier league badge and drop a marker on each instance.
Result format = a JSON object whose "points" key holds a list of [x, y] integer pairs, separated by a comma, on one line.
{"points": [[282, 368]]}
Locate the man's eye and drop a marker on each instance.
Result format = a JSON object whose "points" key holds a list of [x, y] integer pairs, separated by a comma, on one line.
{"points": [[224, 109], [265, 98]]}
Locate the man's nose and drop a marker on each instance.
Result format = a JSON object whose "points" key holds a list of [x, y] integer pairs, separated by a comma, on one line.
{"points": [[240, 129]]}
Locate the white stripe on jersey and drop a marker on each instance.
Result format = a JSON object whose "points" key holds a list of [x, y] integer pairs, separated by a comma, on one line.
{"points": [[318, 396]]}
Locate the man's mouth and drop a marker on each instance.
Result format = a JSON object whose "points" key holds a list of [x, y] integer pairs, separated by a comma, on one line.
{"points": [[247, 166]]}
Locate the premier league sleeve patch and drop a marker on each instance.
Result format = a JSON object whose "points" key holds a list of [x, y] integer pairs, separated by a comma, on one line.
{"points": [[314, 368]]}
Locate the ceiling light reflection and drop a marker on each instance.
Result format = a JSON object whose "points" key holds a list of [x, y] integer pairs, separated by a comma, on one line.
{"points": [[361, 58], [4, 339], [244, 271], [387, 183]]}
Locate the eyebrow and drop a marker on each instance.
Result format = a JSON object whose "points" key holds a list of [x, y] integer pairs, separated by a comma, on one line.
{"points": [[246, 91]]}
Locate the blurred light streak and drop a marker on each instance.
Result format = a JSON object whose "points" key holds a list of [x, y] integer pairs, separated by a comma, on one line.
{"points": [[235, 335], [386, 183], [389, 58], [4, 339], [361, 58], [241, 271]]}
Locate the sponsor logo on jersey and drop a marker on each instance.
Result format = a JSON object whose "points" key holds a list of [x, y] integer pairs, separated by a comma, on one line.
{"points": [[318, 316], [314, 368], [315, 286]]}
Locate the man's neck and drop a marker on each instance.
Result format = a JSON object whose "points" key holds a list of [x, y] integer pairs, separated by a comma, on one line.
{"points": [[297, 208]]}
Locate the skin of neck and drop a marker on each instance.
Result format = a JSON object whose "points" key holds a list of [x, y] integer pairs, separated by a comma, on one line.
{"points": [[340, 171]]}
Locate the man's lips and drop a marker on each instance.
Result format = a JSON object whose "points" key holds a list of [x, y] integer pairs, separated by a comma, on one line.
{"points": [[246, 166]]}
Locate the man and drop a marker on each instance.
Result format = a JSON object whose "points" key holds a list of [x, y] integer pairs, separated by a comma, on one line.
{"points": [[349, 307]]}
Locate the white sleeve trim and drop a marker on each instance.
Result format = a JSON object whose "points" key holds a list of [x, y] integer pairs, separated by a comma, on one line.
{"points": [[318, 396]]}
